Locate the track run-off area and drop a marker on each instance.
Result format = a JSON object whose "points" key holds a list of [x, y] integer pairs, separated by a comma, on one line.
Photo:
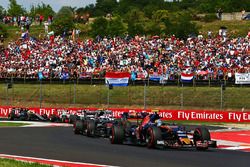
{"points": [[56, 145]]}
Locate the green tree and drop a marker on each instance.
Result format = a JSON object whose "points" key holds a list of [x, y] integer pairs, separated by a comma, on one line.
{"points": [[106, 6], [136, 22], [180, 24], [90, 9], [116, 27], [2, 12], [3, 30], [42, 9], [99, 27], [15, 9], [104, 27], [63, 21], [160, 16]]}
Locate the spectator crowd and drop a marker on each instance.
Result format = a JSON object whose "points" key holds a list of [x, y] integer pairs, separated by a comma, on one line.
{"points": [[57, 57]]}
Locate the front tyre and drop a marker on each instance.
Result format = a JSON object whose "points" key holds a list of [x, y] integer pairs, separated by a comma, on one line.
{"points": [[153, 134], [202, 135]]}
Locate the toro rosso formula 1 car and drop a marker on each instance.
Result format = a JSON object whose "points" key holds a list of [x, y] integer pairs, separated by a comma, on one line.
{"points": [[94, 123], [152, 133]]}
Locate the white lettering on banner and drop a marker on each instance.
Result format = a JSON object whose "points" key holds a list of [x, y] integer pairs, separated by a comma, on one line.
{"points": [[167, 115], [71, 111], [234, 116], [246, 116], [199, 116], [183, 115], [205, 115], [47, 112], [117, 113], [5, 112]]}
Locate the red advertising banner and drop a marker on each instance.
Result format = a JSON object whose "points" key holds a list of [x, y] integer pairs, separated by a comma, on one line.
{"points": [[175, 115]]}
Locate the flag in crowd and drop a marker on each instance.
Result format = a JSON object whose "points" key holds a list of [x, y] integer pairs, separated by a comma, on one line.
{"points": [[64, 75], [155, 77], [117, 78], [187, 77]]}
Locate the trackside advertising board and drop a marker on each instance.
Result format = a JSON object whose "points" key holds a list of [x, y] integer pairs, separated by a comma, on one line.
{"points": [[242, 78], [175, 115]]}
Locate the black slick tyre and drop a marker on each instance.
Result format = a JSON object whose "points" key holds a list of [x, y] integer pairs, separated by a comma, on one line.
{"points": [[153, 134], [117, 134], [201, 134], [77, 127], [91, 128]]}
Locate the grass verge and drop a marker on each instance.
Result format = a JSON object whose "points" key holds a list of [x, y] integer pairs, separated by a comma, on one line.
{"points": [[14, 163], [12, 124]]}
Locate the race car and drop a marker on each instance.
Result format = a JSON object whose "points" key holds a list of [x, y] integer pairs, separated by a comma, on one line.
{"points": [[151, 132], [66, 116], [23, 114], [94, 123]]}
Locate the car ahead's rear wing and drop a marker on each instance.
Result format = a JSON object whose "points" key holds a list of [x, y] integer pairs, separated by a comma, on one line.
{"points": [[134, 115]]}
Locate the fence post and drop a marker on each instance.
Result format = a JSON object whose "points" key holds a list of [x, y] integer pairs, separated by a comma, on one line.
{"points": [[144, 98], [108, 98], [7, 95], [221, 97], [70, 91], [41, 93], [12, 86], [74, 100], [223, 88], [178, 80], [181, 95], [209, 80], [129, 101]]}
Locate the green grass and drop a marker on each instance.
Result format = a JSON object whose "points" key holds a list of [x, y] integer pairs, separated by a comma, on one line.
{"points": [[14, 163], [235, 28], [12, 124], [157, 97], [14, 32]]}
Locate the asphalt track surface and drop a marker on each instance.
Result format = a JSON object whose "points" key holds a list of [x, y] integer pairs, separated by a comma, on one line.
{"points": [[60, 143]]}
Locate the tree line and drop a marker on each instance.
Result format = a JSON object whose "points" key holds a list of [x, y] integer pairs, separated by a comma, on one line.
{"points": [[133, 17]]}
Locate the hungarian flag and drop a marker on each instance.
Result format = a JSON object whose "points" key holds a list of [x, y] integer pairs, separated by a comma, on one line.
{"points": [[187, 77], [117, 78]]}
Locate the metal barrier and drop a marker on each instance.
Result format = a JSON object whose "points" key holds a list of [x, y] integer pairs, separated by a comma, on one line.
{"points": [[143, 93]]}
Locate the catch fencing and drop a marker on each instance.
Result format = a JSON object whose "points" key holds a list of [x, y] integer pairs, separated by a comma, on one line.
{"points": [[220, 95]]}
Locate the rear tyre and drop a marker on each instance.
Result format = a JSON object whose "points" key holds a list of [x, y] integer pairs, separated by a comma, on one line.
{"points": [[72, 119], [11, 117], [53, 118], [117, 134], [91, 128], [77, 127], [153, 134]]}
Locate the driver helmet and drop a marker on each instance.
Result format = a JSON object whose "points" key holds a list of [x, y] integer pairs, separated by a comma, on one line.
{"points": [[158, 122]]}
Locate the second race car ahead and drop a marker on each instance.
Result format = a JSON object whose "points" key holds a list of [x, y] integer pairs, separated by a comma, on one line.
{"points": [[94, 123]]}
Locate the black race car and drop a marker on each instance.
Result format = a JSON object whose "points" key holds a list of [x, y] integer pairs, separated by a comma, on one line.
{"points": [[66, 117], [151, 132], [23, 114], [94, 123]]}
